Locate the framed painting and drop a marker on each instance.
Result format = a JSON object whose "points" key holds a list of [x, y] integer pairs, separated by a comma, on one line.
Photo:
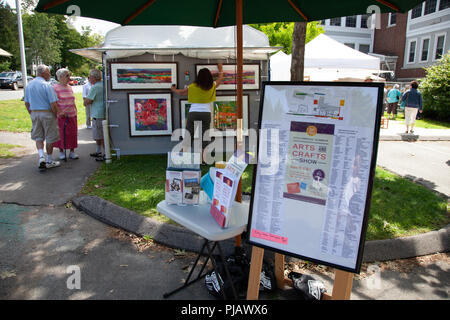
{"points": [[224, 116], [125, 76], [250, 75], [150, 114]]}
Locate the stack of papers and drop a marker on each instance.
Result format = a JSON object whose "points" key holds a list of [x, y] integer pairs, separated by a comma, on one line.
{"points": [[225, 187]]}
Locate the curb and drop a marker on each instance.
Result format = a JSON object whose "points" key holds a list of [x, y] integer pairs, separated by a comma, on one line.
{"points": [[170, 235], [175, 236], [412, 138]]}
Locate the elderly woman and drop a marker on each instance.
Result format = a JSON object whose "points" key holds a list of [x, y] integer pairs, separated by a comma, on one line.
{"points": [[413, 99], [67, 117]]}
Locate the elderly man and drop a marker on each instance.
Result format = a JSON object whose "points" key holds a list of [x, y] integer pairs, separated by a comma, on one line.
{"points": [[393, 97], [86, 87], [40, 101], [95, 99]]}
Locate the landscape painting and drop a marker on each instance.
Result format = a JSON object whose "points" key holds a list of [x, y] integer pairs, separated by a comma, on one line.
{"points": [[143, 75], [150, 114], [250, 76], [225, 115]]}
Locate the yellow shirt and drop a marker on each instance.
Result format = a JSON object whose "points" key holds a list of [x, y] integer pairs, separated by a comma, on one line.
{"points": [[198, 95]]}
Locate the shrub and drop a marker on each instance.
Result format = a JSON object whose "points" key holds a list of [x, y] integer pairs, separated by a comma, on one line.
{"points": [[435, 90]]}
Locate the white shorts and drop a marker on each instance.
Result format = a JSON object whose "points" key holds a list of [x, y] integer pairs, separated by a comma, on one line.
{"points": [[97, 129], [45, 127], [410, 115]]}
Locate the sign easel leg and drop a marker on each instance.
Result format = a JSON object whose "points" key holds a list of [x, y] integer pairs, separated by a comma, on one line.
{"points": [[279, 270], [255, 273], [342, 288]]}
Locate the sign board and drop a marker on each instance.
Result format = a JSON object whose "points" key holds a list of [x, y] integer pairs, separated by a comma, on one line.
{"points": [[312, 185]]}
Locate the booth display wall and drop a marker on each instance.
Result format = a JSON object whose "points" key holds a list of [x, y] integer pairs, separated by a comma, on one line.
{"points": [[119, 104]]}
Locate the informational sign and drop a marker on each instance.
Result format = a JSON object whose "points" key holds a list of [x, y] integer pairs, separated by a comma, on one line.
{"points": [[316, 162]]}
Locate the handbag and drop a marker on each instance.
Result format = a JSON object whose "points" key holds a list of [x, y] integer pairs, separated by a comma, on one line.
{"points": [[403, 104]]}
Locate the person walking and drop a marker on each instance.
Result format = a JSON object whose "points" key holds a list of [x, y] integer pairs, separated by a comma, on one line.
{"points": [[86, 87], [67, 117], [98, 112], [41, 103], [413, 100], [393, 97], [201, 93]]}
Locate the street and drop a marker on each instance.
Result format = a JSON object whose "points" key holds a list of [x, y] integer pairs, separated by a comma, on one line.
{"points": [[426, 162], [8, 94]]}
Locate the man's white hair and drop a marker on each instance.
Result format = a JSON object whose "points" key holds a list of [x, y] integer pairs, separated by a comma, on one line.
{"points": [[62, 72], [41, 69], [95, 73]]}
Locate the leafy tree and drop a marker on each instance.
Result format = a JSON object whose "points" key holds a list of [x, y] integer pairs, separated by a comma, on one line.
{"points": [[280, 33], [435, 90], [40, 34], [292, 37], [72, 39], [9, 40]]}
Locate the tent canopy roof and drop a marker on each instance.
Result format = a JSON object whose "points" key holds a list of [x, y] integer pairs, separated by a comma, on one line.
{"points": [[327, 60], [4, 53], [324, 52], [196, 42]]}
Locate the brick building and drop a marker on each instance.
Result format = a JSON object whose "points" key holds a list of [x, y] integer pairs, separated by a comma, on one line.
{"points": [[405, 43]]}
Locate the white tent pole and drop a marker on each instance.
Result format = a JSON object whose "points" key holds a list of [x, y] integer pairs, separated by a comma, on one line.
{"points": [[22, 45]]}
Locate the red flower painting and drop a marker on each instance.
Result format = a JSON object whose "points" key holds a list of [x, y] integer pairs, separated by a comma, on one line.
{"points": [[150, 114]]}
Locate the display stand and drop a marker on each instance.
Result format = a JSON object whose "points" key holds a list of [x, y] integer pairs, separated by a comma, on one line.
{"points": [[342, 287], [311, 194], [198, 220]]}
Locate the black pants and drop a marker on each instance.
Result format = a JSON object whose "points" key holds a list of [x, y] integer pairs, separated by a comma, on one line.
{"points": [[205, 118]]}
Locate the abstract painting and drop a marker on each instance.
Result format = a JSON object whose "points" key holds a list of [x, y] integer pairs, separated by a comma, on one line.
{"points": [[225, 115], [143, 75], [150, 114], [250, 76]]}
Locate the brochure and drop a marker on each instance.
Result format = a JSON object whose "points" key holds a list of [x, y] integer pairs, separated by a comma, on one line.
{"points": [[238, 162], [174, 187], [191, 186], [225, 187]]}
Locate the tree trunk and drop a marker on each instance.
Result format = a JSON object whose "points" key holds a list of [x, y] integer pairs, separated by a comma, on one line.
{"points": [[298, 51]]}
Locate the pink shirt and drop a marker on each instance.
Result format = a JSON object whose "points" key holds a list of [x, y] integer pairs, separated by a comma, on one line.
{"points": [[66, 99]]}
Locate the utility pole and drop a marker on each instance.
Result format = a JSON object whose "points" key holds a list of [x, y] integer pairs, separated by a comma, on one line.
{"points": [[22, 45]]}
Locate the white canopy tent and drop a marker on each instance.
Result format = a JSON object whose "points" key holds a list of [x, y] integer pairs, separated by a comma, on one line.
{"points": [[194, 42], [327, 60], [4, 53]]}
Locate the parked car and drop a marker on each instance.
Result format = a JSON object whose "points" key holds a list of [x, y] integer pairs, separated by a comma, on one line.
{"points": [[82, 81], [20, 81], [9, 79], [52, 81], [75, 81]]}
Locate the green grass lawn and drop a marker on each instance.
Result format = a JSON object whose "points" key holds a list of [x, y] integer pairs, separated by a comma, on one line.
{"points": [[5, 150], [399, 207], [14, 116]]}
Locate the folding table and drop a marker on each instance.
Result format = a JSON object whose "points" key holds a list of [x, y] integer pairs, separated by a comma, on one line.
{"points": [[198, 219]]}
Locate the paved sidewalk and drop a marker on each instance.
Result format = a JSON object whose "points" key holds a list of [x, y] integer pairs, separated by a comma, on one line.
{"points": [[396, 132]]}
